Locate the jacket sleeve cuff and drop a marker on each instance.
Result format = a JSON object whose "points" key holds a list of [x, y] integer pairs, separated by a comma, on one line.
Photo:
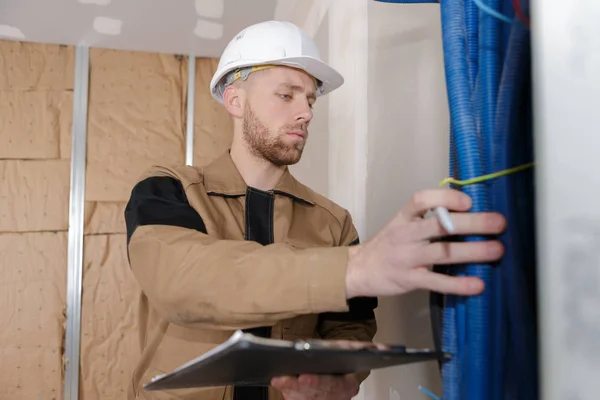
{"points": [[327, 280]]}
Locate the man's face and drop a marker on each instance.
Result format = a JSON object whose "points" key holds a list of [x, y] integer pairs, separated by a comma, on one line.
{"points": [[277, 113]]}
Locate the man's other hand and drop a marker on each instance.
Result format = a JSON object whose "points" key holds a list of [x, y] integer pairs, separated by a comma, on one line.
{"points": [[322, 387]]}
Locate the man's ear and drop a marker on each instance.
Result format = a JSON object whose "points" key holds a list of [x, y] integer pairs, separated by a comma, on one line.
{"points": [[233, 100]]}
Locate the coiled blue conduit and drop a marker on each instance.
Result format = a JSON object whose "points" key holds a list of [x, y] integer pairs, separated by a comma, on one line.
{"points": [[492, 336], [489, 73], [472, 54], [502, 193], [512, 133], [475, 353]]}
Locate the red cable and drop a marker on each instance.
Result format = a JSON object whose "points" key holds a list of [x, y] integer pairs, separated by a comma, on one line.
{"points": [[520, 14]]}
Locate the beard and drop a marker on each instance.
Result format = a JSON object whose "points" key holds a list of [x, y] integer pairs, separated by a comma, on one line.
{"points": [[270, 146]]}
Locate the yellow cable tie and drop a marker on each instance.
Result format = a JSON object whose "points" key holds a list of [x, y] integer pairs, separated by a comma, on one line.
{"points": [[487, 177]]}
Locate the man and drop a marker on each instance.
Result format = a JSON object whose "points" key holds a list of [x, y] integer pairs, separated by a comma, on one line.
{"points": [[241, 244]]}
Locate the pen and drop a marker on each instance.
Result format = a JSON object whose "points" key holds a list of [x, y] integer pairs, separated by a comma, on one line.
{"points": [[443, 216]]}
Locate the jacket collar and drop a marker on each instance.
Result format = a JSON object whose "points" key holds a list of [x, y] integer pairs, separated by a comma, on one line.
{"points": [[221, 177]]}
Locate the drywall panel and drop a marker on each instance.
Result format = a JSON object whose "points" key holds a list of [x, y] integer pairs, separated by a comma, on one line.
{"points": [[34, 195], [348, 108], [26, 66], [104, 217], [64, 114], [32, 301], [203, 27], [313, 168], [213, 127], [407, 151], [136, 119], [109, 341], [35, 124]]}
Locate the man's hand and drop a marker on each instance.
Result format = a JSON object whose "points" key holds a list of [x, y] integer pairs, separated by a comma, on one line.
{"points": [[342, 387], [322, 387], [396, 260]]}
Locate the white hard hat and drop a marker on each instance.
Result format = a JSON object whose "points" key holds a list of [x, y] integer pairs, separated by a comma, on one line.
{"points": [[273, 43]]}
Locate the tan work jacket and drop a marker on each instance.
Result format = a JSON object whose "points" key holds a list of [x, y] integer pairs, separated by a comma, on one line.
{"points": [[212, 255]]}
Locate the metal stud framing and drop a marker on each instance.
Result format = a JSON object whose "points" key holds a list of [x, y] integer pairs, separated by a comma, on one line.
{"points": [[191, 90], [76, 220]]}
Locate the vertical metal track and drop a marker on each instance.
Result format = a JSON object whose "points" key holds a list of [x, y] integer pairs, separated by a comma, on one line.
{"points": [[76, 220], [191, 90]]}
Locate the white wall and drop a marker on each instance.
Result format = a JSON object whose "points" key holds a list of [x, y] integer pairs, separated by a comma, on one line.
{"points": [[388, 138], [313, 168], [384, 135], [348, 111], [407, 151]]}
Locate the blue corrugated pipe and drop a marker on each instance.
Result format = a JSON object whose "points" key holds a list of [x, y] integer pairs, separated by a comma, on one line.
{"points": [[489, 73], [476, 355], [483, 127], [472, 30], [490, 57], [472, 42], [521, 380]]}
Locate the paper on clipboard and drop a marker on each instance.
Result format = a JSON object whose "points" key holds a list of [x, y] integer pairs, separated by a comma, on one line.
{"points": [[248, 360]]}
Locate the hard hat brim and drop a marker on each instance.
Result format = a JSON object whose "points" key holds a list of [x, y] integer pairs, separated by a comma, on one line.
{"points": [[328, 76]]}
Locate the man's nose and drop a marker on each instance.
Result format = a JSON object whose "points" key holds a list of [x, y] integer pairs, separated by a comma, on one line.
{"points": [[305, 113]]}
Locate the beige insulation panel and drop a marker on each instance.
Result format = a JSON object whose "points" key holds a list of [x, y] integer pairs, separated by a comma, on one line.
{"points": [[32, 299], [35, 124], [36, 100], [213, 127], [34, 195], [36, 103], [135, 119], [109, 342], [36, 107], [104, 217], [34, 66]]}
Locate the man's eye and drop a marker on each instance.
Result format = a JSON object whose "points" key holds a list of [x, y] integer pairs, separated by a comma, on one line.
{"points": [[285, 96]]}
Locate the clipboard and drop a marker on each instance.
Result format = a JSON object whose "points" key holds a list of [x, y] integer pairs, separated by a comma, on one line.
{"points": [[248, 360]]}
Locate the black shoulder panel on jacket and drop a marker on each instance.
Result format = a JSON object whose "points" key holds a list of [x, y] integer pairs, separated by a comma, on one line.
{"points": [[160, 201]]}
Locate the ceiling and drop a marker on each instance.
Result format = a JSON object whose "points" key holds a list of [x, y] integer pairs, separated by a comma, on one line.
{"points": [[200, 27]]}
